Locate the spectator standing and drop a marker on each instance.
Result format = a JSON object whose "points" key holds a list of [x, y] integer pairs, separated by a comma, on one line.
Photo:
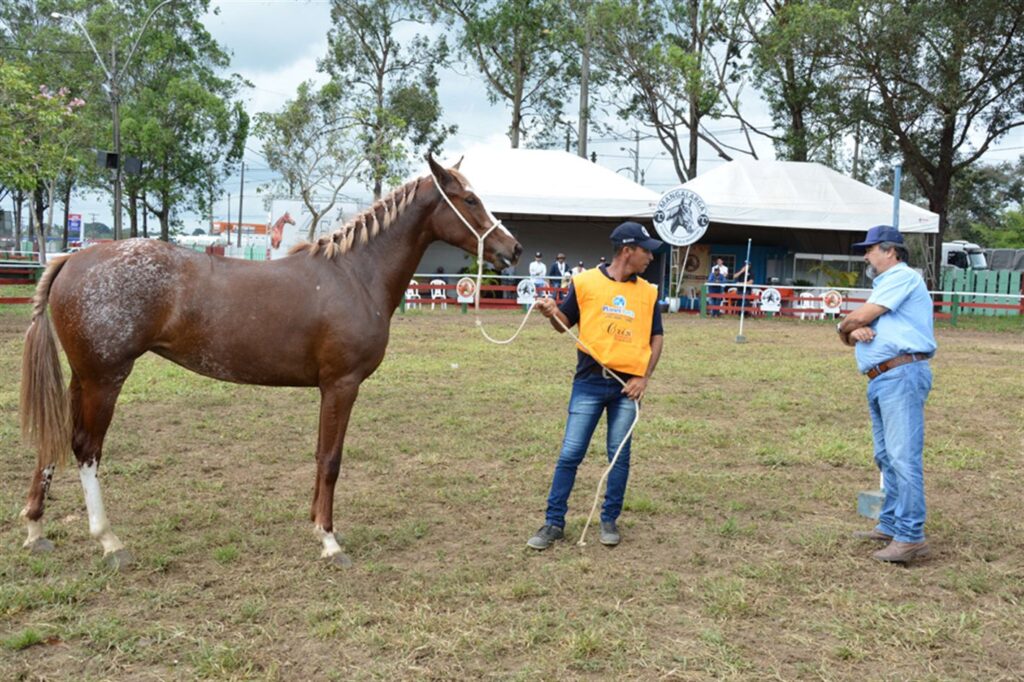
{"points": [[538, 270], [715, 289], [559, 269], [893, 339]]}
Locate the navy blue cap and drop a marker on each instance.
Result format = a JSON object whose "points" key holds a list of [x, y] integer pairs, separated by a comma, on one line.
{"points": [[877, 235], [634, 234]]}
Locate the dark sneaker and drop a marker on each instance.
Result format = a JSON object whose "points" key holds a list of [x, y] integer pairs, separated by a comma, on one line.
{"points": [[543, 538], [609, 534]]}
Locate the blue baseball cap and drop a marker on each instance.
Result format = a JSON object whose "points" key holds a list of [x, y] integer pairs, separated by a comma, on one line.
{"points": [[877, 235], [630, 233]]}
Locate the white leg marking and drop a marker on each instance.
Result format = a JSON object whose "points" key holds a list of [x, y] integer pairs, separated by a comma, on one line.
{"points": [[99, 527], [35, 529], [331, 546]]}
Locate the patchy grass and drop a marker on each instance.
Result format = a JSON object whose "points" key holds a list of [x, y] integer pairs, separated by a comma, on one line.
{"points": [[736, 562]]}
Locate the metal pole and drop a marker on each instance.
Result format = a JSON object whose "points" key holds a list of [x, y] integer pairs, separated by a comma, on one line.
{"points": [[115, 105], [743, 300], [898, 170], [241, 191]]}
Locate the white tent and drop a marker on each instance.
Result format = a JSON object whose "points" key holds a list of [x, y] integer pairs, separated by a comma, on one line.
{"points": [[544, 182], [799, 195]]}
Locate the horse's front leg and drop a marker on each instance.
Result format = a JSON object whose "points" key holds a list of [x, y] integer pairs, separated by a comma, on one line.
{"points": [[336, 400]]}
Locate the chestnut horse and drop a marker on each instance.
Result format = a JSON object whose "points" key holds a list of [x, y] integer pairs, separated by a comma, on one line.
{"points": [[319, 317]]}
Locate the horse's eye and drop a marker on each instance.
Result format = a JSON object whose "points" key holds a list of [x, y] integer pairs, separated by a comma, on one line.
{"points": [[471, 201]]}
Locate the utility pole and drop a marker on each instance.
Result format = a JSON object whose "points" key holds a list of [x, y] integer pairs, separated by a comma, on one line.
{"points": [[584, 94], [228, 224], [241, 192]]}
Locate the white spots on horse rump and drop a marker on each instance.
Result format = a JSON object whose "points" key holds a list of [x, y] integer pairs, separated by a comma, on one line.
{"points": [[117, 295]]}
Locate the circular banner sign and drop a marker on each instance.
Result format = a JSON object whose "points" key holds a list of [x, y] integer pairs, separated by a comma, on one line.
{"points": [[681, 217], [466, 289], [771, 300], [526, 292], [832, 301]]}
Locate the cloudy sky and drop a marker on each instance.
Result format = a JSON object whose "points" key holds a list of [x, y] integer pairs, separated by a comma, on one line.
{"points": [[275, 45]]}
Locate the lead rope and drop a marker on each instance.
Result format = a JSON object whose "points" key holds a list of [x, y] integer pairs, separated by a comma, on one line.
{"points": [[479, 324]]}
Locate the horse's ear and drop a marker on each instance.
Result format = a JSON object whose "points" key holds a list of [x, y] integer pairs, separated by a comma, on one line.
{"points": [[458, 163], [442, 175]]}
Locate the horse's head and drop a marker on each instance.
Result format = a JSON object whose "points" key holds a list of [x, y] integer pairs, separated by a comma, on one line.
{"points": [[460, 218], [288, 218]]}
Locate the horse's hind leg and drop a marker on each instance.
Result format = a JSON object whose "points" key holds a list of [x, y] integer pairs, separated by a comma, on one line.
{"points": [[92, 408], [36, 542]]}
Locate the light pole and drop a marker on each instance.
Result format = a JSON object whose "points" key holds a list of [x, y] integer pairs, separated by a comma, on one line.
{"points": [[112, 86]]}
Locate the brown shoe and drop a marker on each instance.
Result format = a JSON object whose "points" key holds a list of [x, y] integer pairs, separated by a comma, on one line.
{"points": [[902, 552], [872, 534]]}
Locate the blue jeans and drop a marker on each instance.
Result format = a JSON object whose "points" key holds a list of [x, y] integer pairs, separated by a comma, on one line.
{"points": [[896, 401], [591, 396]]}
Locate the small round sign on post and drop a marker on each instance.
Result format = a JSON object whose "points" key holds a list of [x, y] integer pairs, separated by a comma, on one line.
{"points": [[681, 217], [526, 292], [771, 300], [831, 302], [465, 289]]}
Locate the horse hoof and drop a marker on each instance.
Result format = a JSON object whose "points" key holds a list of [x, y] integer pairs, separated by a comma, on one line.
{"points": [[39, 546], [119, 560], [339, 560]]}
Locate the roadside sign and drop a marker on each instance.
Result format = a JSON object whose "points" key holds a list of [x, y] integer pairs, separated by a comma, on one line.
{"points": [[74, 227]]}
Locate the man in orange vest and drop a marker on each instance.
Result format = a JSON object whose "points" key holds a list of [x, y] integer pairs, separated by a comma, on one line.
{"points": [[620, 326]]}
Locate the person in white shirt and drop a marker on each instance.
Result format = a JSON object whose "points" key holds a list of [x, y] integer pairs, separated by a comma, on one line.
{"points": [[720, 268], [538, 270], [578, 269]]}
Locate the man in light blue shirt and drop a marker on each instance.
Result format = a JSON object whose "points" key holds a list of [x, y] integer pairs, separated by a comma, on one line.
{"points": [[893, 339]]}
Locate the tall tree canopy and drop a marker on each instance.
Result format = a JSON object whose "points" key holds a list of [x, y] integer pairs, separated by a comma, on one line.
{"points": [[945, 80], [388, 87], [662, 71], [516, 46]]}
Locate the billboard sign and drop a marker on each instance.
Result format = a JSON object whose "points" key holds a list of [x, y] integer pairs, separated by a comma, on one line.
{"points": [[74, 227]]}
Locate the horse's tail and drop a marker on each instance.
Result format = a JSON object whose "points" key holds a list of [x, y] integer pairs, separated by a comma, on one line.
{"points": [[45, 407]]}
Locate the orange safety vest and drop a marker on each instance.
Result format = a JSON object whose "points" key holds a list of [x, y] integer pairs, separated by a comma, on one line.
{"points": [[615, 320]]}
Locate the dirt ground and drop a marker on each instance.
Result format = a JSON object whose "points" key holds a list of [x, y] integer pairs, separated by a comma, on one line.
{"points": [[736, 560]]}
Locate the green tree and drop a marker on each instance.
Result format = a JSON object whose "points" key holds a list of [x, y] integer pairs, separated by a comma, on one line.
{"points": [[177, 114], [945, 80], [40, 129], [312, 146], [1009, 234], [662, 70], [790, 47], [389, 87], [517, 47]]}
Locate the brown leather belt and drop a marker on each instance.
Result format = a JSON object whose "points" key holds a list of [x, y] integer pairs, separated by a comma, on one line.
{"points": [[883, 367]]}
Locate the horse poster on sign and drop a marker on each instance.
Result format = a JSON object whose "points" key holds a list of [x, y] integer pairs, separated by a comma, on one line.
{"points": [[289, 223]]}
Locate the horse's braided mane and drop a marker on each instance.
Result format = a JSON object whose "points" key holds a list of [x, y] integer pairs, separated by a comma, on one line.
{"points": [[363, 227]]}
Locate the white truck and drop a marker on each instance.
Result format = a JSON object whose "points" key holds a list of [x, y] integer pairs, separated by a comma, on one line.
{"points": [[963, 254]]}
